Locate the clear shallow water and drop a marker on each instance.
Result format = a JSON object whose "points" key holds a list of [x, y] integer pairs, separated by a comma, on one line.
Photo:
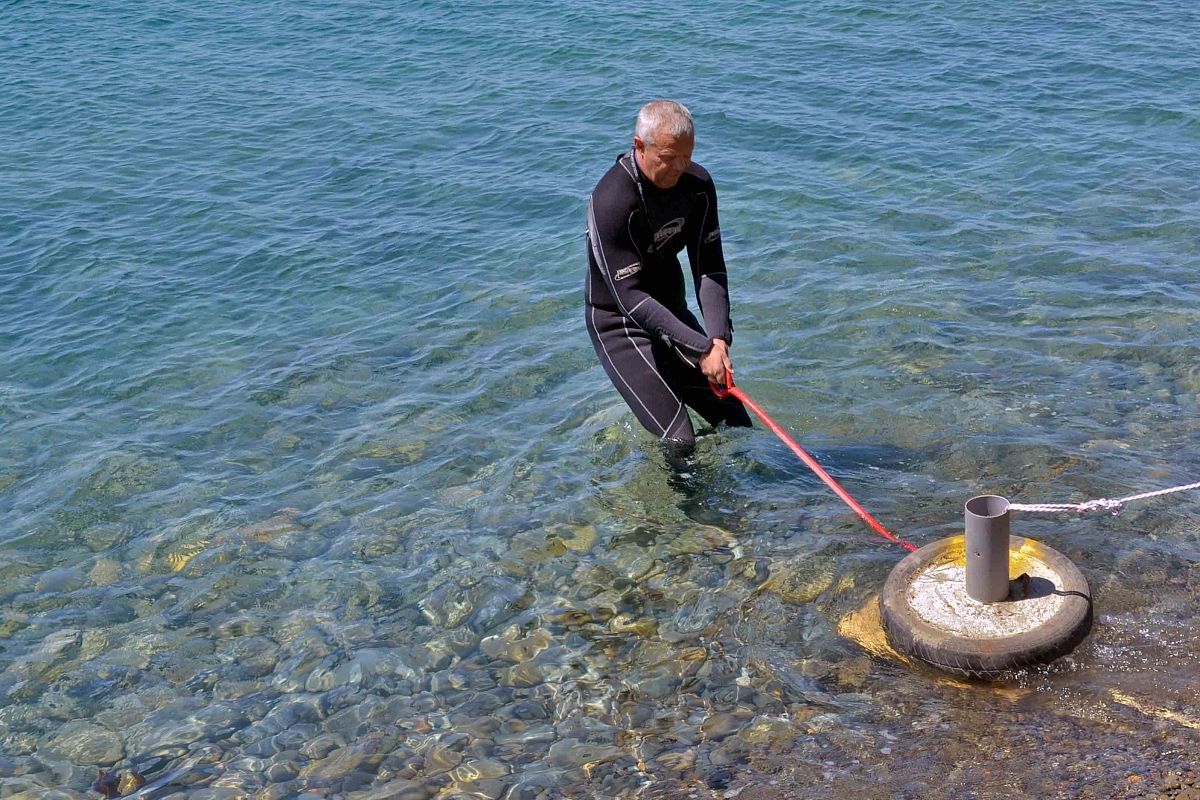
{"points": [[309, 480]]}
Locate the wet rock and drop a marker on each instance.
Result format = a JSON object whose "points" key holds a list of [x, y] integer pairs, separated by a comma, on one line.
{"points": [[123, 711], [291, 675], [447, 606], [226, 689], [32, 789], [718, 726], [99, 538], [329, 674], [108, 784], [240, 626], [351, 766], [11, 622], [14, 567], [571, 753], [637, 626], [636, 715], [442, 758], [285, 791], [530, 710], [301, 624], [246, 764], [130, 781], [537, 546], [766, 730], [517, 737], [287, 714], [52, 651], [853, 673], [754, 570], [699, 538], [513, 645], [484, 604], [562, 538], [282, 772], [283, 522], [95, 641], [373, 667], [398, 789], [85, 743], [402, 764], [657, 687], [111, 611], [105, 572], [522, 675], [363, 714], [446, 681], [476, 727], [481, 703], [801, 579], [254, 656], [322, 746], [58, 704], [480, 777], [535, 786], [676, 760], [445, 648], [697, 610], [183, 722], [394, 663], [495, 600], [285, 741], [97, 680]]}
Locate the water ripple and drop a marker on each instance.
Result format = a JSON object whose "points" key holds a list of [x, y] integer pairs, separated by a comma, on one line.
{"points": [[310, 479]]}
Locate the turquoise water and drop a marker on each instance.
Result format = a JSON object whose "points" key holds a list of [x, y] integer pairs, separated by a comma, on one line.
{"points": [[310, 481]]}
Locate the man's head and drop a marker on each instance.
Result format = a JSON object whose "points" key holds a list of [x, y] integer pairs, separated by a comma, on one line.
{"points": [[663, 140]]}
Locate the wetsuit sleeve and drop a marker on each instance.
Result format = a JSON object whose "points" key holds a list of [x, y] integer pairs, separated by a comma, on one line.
{"points": [[621, 265], [708, 269]]}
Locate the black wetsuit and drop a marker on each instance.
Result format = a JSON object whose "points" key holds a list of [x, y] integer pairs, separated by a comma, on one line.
{"points": [[648, 341]]}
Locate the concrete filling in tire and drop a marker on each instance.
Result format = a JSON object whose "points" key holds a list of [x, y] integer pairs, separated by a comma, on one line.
{"points": [[939, 596]]}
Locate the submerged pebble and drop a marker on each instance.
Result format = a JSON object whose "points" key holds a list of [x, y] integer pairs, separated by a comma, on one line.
{"points": [[85, 743]]}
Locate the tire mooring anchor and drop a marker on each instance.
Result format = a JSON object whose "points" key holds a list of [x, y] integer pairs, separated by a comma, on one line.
{"points": [[952, 604]]}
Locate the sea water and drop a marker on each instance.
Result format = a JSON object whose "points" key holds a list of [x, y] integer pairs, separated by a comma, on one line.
{"points": [[310, 480]]}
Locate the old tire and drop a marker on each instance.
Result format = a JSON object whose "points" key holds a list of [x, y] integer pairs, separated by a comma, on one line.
{"points": [[985, 658]]}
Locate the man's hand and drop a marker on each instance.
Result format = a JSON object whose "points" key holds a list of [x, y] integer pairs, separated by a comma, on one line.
{"points": [[715, 363]]}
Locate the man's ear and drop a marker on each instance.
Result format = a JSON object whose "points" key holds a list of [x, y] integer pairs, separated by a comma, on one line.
{"points": [[638, 144]]}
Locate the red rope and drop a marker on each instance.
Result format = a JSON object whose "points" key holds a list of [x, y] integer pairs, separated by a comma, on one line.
{"points": [[811, 462]]}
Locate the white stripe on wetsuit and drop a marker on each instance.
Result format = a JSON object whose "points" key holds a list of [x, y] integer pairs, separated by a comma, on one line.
{"points": [[602, 262]]}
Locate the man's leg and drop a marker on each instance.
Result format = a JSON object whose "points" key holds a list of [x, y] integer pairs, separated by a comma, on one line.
{"points": [[637, 369]]}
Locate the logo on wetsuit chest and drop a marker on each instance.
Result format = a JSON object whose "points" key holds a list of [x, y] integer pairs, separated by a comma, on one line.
{"points": [[667, 231]]}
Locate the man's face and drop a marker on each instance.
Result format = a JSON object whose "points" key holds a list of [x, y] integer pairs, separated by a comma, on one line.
{"points": [[664, 159]]}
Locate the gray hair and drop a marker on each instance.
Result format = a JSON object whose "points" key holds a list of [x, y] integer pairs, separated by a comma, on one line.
{"points": [[664, 116]]}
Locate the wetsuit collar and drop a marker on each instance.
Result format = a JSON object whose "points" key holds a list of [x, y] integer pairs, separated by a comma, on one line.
{"points": [[637, 179]]}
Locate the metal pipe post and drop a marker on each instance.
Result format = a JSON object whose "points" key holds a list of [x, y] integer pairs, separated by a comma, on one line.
{"points": [[987, 548]]}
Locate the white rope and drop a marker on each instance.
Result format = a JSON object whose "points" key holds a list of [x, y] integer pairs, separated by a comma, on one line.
{"points": [[1114, 506]]}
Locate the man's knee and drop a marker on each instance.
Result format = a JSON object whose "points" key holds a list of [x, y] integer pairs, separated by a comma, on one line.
{"points": [[679, 451]]}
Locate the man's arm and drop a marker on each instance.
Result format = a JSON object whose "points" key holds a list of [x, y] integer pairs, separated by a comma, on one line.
{"points": [[621, 265], [708, 267], [712, 284]]}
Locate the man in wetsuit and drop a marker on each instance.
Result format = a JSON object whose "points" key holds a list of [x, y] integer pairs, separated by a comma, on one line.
{"points": [[651, 204]]}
